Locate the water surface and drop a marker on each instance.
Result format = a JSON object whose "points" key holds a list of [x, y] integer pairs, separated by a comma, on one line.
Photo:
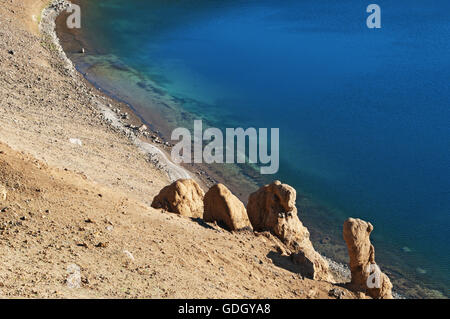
{"points": [[363, 114]]}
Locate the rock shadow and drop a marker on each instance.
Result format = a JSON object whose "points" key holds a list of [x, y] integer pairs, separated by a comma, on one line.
{"points": [[202, 223], [286, 262]]}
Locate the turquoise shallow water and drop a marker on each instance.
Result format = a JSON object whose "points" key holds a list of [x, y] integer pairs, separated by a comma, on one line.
{"points": [[363, 114]]}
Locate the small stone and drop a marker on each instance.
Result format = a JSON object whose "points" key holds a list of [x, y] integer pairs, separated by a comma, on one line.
{"points": [[3, 193], [337, 293], [76, 141], [128, 254]]}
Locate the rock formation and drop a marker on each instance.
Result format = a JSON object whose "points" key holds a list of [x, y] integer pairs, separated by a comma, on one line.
{"points": [[366, 275], [272, 208], [184, 197], [222, 206]]}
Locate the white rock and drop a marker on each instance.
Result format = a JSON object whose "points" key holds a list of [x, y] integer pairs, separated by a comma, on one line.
{"points": [[76, 141], [129, 255]]}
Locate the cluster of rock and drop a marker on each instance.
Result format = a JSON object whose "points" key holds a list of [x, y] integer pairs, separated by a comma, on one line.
{"points": [[47, 26], [141, 129], [120, 114], [59, 5], [138, 130], [272, 209]]}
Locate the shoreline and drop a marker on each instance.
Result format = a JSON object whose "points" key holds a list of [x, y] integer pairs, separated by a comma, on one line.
{"points": [[48, 22], [207, 175], [47, 27], [110, 115], [151, 141], [87, 202], [337, 267]]}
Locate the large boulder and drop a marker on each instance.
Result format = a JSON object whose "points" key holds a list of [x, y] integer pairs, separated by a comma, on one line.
{"points": [[272, 208], [366, 275], [184, 197], [221, 206]]}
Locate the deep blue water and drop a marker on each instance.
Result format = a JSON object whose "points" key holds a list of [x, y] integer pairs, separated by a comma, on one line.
{"points": [[364, 115]]}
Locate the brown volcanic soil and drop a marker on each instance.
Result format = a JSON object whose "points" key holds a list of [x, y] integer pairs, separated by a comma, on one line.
{"points": [[54, 218], [89, 205]]}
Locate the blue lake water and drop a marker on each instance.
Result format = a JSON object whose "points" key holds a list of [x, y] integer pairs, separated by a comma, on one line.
{"points": [[364, 114]]}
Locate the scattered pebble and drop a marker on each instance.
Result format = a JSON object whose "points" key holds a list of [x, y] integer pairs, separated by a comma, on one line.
{"points": [[128, 254], [337, 293], [76, 141]]}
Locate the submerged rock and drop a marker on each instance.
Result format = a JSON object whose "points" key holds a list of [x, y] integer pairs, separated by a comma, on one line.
{"points": [[406, 249], [221, 206], [366, 275], [272, 208], [421, 271], [184, 197]]}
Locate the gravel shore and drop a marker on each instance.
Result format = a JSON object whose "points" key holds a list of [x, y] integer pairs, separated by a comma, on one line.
{"points": [[159, 158]]}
